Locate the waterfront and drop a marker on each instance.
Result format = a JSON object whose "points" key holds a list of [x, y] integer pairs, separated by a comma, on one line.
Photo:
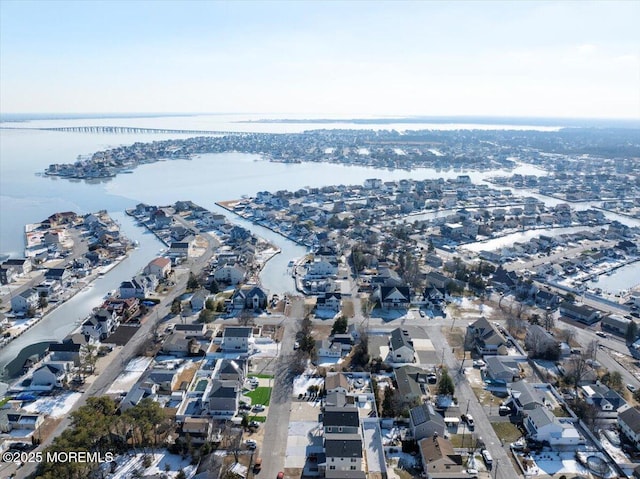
{"points": [[206, 179]]}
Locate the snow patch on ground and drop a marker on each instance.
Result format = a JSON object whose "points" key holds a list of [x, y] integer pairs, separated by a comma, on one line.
{"points": [[161, 463], [129, 377], [54, 406], [302, 383]]}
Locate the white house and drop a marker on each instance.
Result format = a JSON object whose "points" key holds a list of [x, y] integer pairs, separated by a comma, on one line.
{"points": [[159, 267], [236, 339], [401, 346], [22, 302], [542, 425], [336, 382], [321, 268], [327, 349], [629, 422], [199, 299], [139, 286], [329, 301], [50, 375], [230, 274]]}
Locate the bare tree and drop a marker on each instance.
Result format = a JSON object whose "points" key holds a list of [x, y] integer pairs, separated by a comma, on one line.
{"points": [[246, 318], [520, 309], [577, 368], [566, 335], [549, 320], [592, 350]]}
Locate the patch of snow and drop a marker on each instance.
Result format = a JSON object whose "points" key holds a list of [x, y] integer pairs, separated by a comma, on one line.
{"points": [[162, 462], [302, 383], [54, 406]]}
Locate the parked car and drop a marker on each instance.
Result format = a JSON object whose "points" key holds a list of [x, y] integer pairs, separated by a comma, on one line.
{"points": [[488, 460], [251, 444], [601, 334], [254, 424], [632, 388], [468, 418], [258, 407], [257, 465], [422, 314], [432, 379], [479, 363], [504, 410]]}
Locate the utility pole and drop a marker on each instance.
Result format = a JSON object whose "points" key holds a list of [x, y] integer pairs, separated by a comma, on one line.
{"points": [[496, 470]]}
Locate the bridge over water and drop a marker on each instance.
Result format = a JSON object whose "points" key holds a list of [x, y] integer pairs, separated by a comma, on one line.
{"points": [[126, 129]]}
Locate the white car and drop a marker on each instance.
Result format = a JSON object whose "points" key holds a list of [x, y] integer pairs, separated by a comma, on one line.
{"points": [[479, 363], [258, 407]]}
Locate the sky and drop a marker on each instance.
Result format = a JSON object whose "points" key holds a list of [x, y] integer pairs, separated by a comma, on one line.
{"points": [[361, 58]]}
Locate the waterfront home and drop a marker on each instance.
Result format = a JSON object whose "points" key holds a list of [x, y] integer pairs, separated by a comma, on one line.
{"points": [[401, 346], [100, 324], [67, 351], [321, 268], [126, 309], [25, 301], [425, 422], [158, 267], [236, 339], [140, 286], [50, 375], [249, 297], [230, 274], [19, 265], [629, 422], [440, 460], [181, 249]]}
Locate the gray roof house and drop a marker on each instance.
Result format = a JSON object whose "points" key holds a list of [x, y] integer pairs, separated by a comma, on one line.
{"points": [[425, 421], [224, 398], [401, 346]]}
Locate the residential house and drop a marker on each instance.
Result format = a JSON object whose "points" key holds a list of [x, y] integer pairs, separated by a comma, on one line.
{"points": [[629, 422], [100, 324], [231, 370], [439, 460], [329, 301], [524, 397], [437, 280], [142, 390], [19, 265], [159, 267], [607, 400], [166, 379], [23, 302], [543, 426], [249, 297], [343, 455], [487, 339], [425, 422], [327, 349], [140, 286], [401, 346], [24, 421], [321, 268], [181, 249], [198, 429], [230, 274], [67, 351], [336, 382], [393, 297], [502, 368], [50, 375], [340, 420], [581, 313], [236, 339], [538, 340], [198, 299], [180, 343], [409, 380], [223, 399], [61, 275], [615, 324]]}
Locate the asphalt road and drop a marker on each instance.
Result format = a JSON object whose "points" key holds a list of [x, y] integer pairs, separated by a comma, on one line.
{"points": [[274, 447]]}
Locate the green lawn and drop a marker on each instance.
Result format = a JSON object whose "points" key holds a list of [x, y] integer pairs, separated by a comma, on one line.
{"points": [[506, 431], [4, 401], [261, 376], [258, 418], [260, 395]]}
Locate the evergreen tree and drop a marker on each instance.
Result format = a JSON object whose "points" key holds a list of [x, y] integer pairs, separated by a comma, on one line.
{"points": [[445, 385]]}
